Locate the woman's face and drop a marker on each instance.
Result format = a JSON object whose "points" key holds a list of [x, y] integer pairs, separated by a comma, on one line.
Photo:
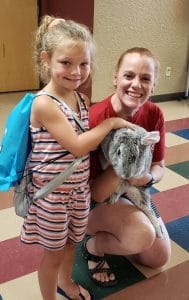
{"points": [[135, 80]]}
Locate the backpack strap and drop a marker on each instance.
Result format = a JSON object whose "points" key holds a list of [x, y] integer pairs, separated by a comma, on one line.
{"points": [[58, 180], [77, 120], [82, 100]]}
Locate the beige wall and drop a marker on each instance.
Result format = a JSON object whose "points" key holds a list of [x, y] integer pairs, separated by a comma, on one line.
{"points": [[160, 25]]}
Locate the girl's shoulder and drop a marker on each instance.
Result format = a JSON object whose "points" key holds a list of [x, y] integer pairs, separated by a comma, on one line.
{"points": [[42, 101]]}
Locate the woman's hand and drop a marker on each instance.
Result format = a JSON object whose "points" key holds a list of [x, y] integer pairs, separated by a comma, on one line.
{"points": [[156, 171], [140, 181]]}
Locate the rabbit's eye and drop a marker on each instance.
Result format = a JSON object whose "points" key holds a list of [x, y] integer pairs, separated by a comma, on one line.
{"points": [[118, 152], [142, 151]]}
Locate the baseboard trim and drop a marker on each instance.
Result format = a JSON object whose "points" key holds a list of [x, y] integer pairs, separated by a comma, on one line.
{"points": [[168, 97]]}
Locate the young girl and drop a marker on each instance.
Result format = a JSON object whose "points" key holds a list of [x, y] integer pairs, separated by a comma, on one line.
{"points": [[57, 222]]}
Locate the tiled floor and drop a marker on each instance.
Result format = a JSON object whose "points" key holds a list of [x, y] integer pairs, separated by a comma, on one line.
{"points": [[18, 264]]}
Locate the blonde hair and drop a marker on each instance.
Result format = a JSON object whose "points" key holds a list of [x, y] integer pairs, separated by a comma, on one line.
{"points": [[53, 32], [141, 51]]}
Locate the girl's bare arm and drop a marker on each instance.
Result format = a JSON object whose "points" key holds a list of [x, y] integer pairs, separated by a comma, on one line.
{"points": [[104, 185], [48, 114]]}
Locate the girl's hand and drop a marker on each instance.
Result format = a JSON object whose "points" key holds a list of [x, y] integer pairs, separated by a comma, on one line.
{"points": [[121, 123]]}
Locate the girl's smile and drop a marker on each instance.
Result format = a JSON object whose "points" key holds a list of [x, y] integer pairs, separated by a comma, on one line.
{"points": [[70, 66]]}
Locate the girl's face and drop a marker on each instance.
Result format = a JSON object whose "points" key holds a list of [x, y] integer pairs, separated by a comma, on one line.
{"points": [[134, 80], [70, 65]]}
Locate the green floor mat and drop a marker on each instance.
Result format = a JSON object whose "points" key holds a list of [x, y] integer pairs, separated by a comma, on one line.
{"points": [[126, 273], [181, 168]]}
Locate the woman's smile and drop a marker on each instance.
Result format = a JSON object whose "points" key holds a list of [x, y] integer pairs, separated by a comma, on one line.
{"points": [[133, 94]]}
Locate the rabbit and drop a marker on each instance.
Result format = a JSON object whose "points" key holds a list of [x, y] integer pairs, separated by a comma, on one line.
{"points": [[130, 154]]}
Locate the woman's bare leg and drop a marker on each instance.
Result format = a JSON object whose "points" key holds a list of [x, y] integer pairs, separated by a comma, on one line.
{"points": [[124, 230], [159, 253], [120, 229]]}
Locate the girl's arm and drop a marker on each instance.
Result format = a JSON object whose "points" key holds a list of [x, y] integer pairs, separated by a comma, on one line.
{"points": [[104, 185], [47, 113]]}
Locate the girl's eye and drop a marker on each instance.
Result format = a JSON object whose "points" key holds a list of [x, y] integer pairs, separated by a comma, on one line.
{"points": [[84, 64], [146, 79]]}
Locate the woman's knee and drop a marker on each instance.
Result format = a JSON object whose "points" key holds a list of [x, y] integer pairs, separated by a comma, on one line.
{"points": [[131, 228], [134, 233], [138, 237], [157, 261], [164, 255], [158, 255]]}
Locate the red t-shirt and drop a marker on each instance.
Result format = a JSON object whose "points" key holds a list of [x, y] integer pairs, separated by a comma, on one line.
{"points": [[149, 116]]}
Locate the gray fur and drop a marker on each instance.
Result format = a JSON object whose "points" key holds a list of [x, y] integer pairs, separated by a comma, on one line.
{"points": [[129, 153]]}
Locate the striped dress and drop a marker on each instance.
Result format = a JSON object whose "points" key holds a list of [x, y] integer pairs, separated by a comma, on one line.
{"points": [[63, 213]]}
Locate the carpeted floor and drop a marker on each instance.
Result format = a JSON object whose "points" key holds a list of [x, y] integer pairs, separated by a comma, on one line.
{"points": [[18, 262], [121, 267]]}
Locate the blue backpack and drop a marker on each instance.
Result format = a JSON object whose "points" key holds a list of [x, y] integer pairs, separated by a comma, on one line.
{"points": [[16, 143]]}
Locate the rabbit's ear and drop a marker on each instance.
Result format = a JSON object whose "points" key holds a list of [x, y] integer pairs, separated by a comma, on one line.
{"points": [[150, 138]]}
